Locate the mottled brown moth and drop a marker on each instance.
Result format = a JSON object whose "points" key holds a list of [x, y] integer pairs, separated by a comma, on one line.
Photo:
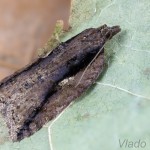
{"points": [[36, 94]]}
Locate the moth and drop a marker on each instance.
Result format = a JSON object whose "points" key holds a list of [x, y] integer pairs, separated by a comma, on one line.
{"points": [[39, 92]]}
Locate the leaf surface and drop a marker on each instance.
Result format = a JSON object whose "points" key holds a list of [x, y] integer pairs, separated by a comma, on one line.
{"points": [[117, 106]]}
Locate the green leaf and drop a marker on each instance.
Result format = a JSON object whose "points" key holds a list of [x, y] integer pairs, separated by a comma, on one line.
{"points": [[116, 108]]}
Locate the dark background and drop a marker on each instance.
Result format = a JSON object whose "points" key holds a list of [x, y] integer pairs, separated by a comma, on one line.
{"points": [[25, 26]]}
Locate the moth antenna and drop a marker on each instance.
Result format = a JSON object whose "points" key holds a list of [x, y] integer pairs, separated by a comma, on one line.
{"points": [[91, 62], [89, 65]]}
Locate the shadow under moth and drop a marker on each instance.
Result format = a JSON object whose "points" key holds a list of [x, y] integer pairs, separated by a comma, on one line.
{"points": [[39, 92]]}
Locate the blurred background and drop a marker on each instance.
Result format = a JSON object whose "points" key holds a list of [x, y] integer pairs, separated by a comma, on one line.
{"points": [[25, 26]]}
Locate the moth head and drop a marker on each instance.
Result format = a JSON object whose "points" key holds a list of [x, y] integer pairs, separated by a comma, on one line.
{"points": [[94, 38], [99, 35], [109, 32]]}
